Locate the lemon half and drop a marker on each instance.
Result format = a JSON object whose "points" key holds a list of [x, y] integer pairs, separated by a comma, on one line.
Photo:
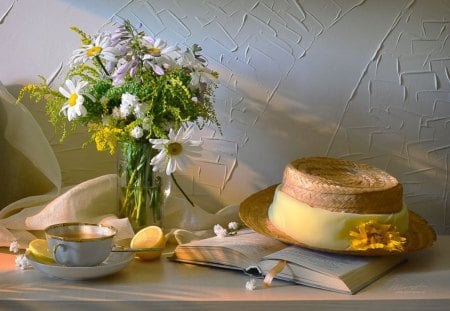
{"points": [[39, 249], [151, 236]]}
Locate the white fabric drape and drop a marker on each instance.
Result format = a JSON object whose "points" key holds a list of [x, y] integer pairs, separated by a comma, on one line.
{"points": [[31, 196]]}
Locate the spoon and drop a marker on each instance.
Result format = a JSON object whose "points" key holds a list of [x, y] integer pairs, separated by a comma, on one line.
{"points": [[144, 249], [123, 245]]}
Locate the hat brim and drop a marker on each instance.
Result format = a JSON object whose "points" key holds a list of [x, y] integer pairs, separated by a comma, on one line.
{"points": [[253, 212]]}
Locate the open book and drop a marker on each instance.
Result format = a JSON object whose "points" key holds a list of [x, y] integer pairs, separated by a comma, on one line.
{"points": [[256, 254]]}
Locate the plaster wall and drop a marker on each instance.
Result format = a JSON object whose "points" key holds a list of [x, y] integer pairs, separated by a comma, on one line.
{"points": [[363, 80]]}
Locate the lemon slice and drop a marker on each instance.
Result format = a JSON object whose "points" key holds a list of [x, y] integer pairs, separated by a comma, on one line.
{"points": [[151, 236], [39, 249]]}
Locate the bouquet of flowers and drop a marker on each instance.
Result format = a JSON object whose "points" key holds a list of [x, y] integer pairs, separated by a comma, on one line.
{"points": [[137, 94]]}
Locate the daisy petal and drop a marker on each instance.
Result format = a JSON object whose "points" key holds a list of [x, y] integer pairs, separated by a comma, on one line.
{"points": [[171, 166], [64, 92]]}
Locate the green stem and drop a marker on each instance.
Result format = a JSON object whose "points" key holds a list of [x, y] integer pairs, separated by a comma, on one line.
{"points": [[130, 187], [97, 58], [182, 192]]}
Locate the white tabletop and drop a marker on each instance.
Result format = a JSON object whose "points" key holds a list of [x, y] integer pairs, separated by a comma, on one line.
{"points": [[423, 283]]}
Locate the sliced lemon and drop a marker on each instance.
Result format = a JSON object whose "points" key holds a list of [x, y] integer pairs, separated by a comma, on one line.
{"points": [[39, 249], [151, 236]]}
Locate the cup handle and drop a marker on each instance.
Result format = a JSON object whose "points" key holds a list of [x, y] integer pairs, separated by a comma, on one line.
{"points": [[55, 248]]}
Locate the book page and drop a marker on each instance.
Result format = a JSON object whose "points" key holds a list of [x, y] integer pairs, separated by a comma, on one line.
{"points": [[326, 263], [302, 275], [249, 244], [337, 272]]}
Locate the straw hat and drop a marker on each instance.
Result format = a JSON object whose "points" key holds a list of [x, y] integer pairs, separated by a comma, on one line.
{"points": [[311, 172]]}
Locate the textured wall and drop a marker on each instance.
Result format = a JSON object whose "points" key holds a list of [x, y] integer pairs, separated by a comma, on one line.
{"points": [[361, 80]]}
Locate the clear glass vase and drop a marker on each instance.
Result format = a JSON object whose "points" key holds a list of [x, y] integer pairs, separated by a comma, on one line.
{"points": [[142, 193]]}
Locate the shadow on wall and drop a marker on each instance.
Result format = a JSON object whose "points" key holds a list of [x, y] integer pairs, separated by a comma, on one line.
{"points": [[288, 89]]}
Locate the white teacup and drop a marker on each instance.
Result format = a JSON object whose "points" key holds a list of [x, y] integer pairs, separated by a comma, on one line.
{"points": [[80, 244]]}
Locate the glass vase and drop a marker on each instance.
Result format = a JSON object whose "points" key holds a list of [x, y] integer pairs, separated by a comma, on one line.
{"points": [[142, 192]]}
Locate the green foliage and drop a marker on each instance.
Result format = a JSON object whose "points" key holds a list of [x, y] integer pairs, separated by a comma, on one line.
{"points": [[85, 72], [53, 102], [85, 39], [166, 93]]}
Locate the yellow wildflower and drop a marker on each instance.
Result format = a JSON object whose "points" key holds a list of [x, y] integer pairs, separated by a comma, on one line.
{"points": [[374, 235], [107, 138]]}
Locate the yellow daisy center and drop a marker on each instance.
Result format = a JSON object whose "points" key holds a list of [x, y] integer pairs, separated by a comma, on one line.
{"points": [[95, 50], [154, 51], [73, 99], [174, 149]]}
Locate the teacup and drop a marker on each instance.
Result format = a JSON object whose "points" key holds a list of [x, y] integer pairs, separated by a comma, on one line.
{"points": [[80, 244]]}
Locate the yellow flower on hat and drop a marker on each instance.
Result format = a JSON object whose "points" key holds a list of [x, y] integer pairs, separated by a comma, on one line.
{"points": [[375, 235]]}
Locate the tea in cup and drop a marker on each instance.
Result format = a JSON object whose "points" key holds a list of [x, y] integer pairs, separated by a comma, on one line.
{"points": [[80, 244]]}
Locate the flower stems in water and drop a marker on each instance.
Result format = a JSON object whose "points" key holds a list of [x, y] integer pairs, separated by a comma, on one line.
{"points": [[140, 187]]}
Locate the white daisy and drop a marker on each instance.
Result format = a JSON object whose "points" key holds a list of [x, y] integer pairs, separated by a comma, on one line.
{"points": [[199, 73], [100, 47], [158, 54], [203, 75], [175, 152], [189, 60], [73, 107], [158, 48]]}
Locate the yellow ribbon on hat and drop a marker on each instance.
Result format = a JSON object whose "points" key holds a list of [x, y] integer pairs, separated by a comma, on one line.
{"points": [[324, 229]]}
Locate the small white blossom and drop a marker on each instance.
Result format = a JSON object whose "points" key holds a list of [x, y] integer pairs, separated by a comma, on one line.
{"points": [[125, 110], [233, 225], [127, 104], [233, 228], [129, 99], [130, 104], [250, 284], [137, 132], [138, 110], [14, 247], [22, 262], [220, 231]]}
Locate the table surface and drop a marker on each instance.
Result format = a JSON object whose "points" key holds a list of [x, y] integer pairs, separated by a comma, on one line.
{"points": [[422, 283]]}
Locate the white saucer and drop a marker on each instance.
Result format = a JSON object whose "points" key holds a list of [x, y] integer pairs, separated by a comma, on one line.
{"points": [[114, 263]]}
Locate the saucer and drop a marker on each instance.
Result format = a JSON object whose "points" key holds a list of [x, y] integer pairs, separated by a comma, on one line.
{"points": [[114, 263]]}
